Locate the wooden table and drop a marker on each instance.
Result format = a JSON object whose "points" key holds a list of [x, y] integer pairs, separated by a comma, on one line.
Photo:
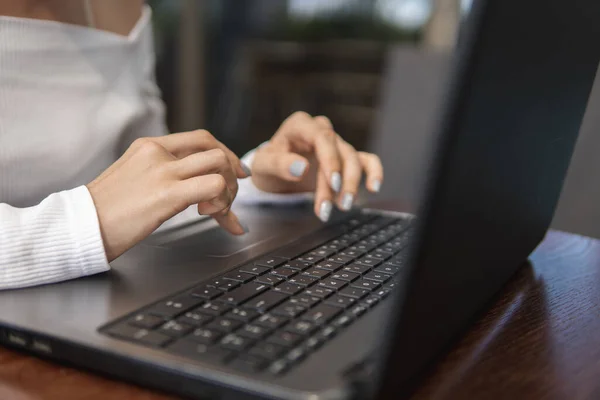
{"points": [[539, 340]]}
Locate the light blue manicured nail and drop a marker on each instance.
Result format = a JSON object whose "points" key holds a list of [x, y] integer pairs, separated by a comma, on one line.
{"points": [[297, 168], [325, 210], [246, 169], [336, 182], [376, 186], [347, 201]]}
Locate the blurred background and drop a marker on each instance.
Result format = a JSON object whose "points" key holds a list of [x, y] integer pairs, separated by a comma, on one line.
{"points": [[376, 68]]}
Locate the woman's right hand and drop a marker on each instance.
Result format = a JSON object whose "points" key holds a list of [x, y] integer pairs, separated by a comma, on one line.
{"points": [[158, 178]]}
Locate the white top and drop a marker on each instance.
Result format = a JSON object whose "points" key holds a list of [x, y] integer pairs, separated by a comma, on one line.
{"points": [[72, 99]]}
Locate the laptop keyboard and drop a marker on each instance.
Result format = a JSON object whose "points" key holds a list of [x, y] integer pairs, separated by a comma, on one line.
{"points": [[273, 312]]}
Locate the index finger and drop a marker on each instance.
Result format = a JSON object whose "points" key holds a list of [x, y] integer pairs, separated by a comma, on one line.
{"points": [[185, 143], [321, 138]]}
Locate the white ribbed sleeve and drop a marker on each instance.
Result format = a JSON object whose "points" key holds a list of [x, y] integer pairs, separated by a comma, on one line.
{"points": [[55, 240]]}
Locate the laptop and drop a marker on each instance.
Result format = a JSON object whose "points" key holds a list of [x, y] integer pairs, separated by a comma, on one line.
{"points": [[361, 306]]}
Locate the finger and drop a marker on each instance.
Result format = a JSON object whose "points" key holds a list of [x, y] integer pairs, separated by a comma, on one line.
{"points": [[323, 140], [186, 143], [213, 197], [374, 170], [231, 223], [213, 161], [323, 198], [280, 164], [352, 172]]}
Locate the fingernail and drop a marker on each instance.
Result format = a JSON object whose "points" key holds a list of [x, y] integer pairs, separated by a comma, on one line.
{"points": [[244, 227], [325, 210], [347, 201], [376, 186], [336, 182], [246, 169], [297, 168]]}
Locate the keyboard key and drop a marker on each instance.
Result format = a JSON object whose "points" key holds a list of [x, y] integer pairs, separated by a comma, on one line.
{"points": [[144, 336], [296, 354], [354, 292], [345, 276], [334, 245], [331, 283], [340, 301], [271, 321], [198, 351], [311, 258], [288, 309], [283, 338], [342, 321], [175, 329], [253, 331], [297, 264], [238, 276], [303, 280], [175, 306], [243, 293], [270, 261], [269, 279], [228, 285], [390, 285], [377, 277], [365, 284], [268, 351], [284, 272], [317, 291], [224, 324], [323, 251], [388, 249], [357, 268], [215, 282], [278, 367], [357, 310], [382, 292], [371, 301], [289, 288], [387, 269], [146, 321], [254, 269], [380, 254], [327, 333], [303, 328], [205, 335], [338, 258], [316, 272], [194, 318], [329, 265], [306, 300], [371, 262], [396, 262], [266, 301], [321, 314], [235, 342], [241, 314], [248, 363], [206, 292], [312, 343], [363, 246], [352, 252], [214, 309]]}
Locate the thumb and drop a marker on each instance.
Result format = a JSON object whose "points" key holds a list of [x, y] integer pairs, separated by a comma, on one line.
{"points": [[289, 167]]}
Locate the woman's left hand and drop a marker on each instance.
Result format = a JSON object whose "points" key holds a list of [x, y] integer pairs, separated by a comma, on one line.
{"points": [[305, 155]]}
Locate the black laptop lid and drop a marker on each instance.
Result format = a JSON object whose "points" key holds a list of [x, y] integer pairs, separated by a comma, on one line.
{"points": [[518, 93]]}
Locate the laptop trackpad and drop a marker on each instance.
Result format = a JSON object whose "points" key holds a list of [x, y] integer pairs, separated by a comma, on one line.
{"points": [[207, 238]]}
